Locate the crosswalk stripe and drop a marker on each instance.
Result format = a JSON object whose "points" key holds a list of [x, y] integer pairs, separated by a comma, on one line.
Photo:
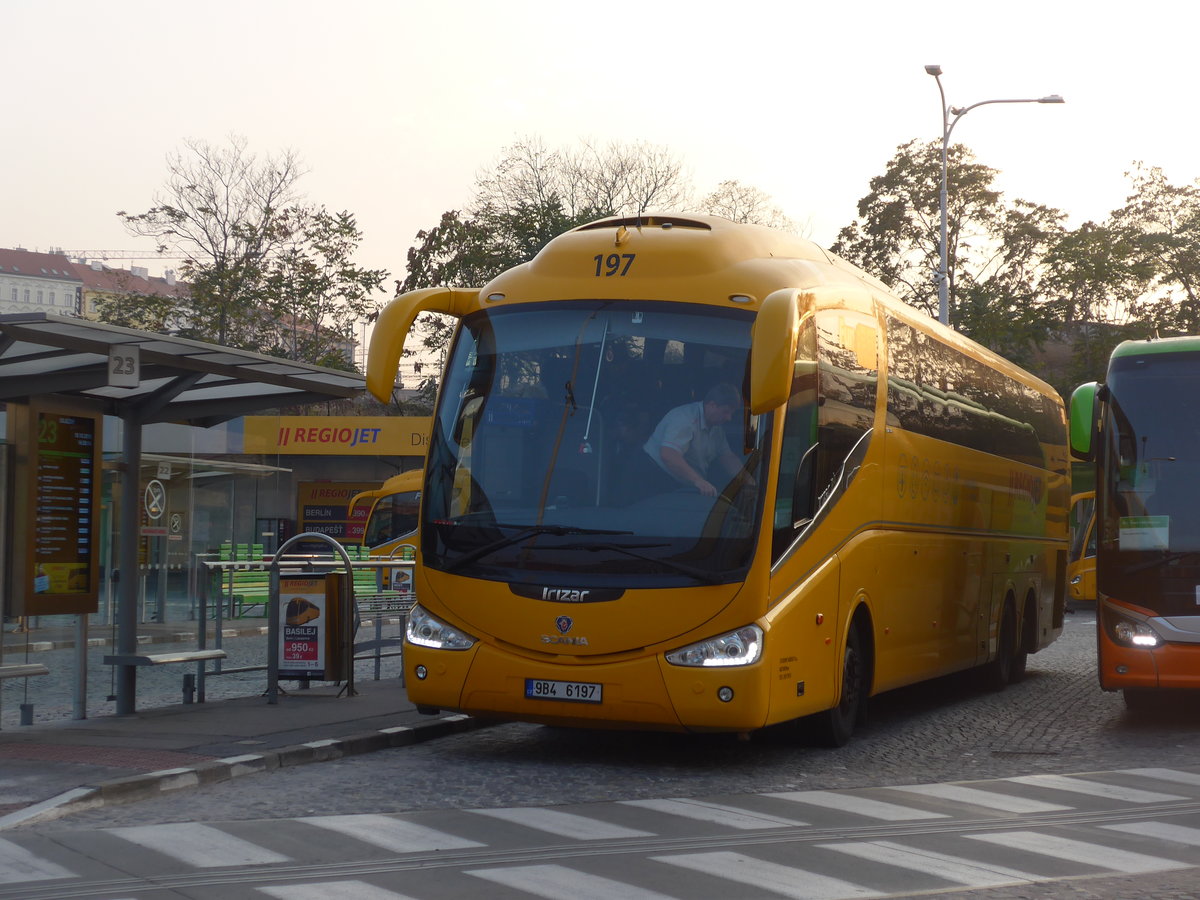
{"points": [[198, 845], [863, 806], [1094, 788], [555, 882], [1192, 778], [716, 813], [391, 833], [950, 868], [563, 824], [18, 864], [787, 881], [1164, 831], [332, 890], [989, 799], [1124, 861]]}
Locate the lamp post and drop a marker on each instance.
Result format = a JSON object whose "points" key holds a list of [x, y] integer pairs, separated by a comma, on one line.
{"points": [[950, 117]]}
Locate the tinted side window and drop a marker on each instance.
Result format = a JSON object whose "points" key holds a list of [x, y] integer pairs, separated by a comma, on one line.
{"points": [[934, 390]]}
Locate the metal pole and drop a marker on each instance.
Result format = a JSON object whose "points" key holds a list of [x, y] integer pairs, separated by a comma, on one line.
{"points": [[81, 658], [943, 255], [948, 123], [127, 590]]}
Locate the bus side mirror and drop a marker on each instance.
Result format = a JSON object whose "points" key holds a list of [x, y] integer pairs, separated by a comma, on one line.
{"points": [[396, 320], [1083, 420], [773, 350]]}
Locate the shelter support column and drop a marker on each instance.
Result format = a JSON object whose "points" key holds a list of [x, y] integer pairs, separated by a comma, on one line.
{"points": [[127, 589]]}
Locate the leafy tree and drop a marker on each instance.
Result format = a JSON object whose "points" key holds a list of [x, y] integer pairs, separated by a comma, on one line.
{"points": [[131, 307], [1162, 221], [896, 234], [314, 292], [1093, 284]]}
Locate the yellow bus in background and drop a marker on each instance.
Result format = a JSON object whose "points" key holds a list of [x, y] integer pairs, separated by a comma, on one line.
{"points": [[887, 502], [391, 519]]}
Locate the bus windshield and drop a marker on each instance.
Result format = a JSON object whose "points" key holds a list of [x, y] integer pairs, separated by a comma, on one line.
{"points": [[1149, 522], [393, 516], [537, 457]]}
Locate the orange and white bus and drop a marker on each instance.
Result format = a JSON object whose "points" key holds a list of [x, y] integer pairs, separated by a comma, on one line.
{"points": [[886, 500], [1140, 427]]}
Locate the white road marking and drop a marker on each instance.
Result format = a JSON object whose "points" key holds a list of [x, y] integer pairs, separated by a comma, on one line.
{"points": [[391, 833], [556, 882], [198, 845], [862, 806], [563, 824], [1098, 855], [716, 813]]}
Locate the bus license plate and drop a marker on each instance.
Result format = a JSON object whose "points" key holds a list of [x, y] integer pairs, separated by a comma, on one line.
{"points": [[576, 691]]}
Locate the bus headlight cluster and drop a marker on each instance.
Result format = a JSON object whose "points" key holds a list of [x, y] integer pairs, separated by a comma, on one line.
{"points": [[1127, 631], [1135, 634], [737, 648], [426, 630]]}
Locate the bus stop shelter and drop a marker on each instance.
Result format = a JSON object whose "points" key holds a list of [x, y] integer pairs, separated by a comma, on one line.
{"points": [[144, 378]]}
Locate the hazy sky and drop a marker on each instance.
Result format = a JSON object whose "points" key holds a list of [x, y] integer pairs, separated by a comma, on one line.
{"points": [[394, 106]]}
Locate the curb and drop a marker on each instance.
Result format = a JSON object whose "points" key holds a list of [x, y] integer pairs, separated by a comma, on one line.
{"points": [[148, 785]]}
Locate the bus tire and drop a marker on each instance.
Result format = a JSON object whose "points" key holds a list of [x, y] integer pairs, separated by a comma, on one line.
{"points": [[1142, 700], [999, 672], [1028, 639], [834, 727]]}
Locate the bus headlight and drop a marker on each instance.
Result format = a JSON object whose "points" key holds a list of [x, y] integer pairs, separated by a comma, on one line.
{"points": [[1135, 634], [1128, 632], [737, 648], [426, 630]]}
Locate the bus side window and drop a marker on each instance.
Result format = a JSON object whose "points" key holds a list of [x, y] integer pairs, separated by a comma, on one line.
{"points": [[846, 410], [795, 495]]}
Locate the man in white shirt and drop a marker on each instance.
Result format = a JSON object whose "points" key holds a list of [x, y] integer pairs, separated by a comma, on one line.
{"points": [[690, 438]]}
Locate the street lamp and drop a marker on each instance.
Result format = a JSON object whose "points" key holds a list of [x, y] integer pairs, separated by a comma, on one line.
{"points": [[950, 117]]}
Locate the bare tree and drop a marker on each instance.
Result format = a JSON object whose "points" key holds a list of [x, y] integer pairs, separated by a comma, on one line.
{"points": [[742, 203], [588, 182], [223, 211]]}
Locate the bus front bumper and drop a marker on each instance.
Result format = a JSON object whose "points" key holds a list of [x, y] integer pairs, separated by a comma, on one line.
{"points": [[645, 693]]}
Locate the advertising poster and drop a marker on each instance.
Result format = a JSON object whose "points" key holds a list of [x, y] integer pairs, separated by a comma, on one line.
{"points": [[324, 508], [302, 627]]}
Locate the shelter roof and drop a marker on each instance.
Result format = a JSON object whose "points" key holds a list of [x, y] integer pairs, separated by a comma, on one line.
{"points": [[180, 380]]}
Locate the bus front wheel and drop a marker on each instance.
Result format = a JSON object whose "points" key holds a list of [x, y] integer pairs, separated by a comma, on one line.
{"points": [[835, 726]]}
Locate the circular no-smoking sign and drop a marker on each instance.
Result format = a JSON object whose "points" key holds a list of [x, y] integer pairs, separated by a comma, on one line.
{"points": [[155, 499]]}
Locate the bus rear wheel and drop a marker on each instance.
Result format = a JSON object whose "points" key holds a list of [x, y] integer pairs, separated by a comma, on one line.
{"points": [[999, 672], [834, 727]]}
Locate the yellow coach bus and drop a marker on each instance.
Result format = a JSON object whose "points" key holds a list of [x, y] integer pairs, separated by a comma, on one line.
{"points": [[691, 475], [390, 512]]}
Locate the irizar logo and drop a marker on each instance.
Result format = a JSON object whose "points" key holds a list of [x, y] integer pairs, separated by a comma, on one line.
{"points": [[565, 595]]}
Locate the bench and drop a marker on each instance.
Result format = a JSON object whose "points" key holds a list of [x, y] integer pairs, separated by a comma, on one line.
{"points": [[23, 670], [250, 592], [165, 659]]}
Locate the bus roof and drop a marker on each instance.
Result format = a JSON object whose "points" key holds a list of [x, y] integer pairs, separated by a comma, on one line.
{"points": [[1185, 344]]}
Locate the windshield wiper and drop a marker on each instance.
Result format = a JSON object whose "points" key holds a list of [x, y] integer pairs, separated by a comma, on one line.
{"points": [[681, 568], [526, 532], [1161, 561]]}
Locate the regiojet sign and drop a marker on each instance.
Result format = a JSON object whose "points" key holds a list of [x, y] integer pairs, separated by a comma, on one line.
{"points": [[337, 435]]}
